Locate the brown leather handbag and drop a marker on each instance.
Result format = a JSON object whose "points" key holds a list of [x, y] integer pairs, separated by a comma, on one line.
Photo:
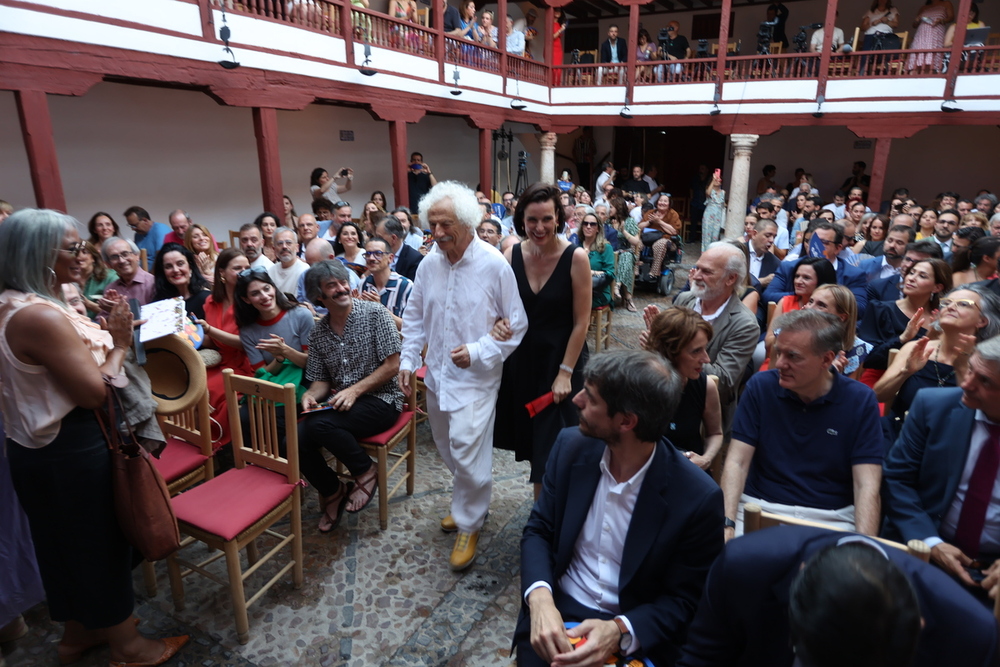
{"points": [[142, 502]]}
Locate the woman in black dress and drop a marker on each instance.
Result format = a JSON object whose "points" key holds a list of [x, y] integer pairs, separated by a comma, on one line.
{"points": [[682, 336], [176, 273], [553, 280]]}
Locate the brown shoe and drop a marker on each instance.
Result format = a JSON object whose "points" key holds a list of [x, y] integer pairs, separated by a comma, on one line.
{"points": [[173, 644], [448, 524], [464, 551]]}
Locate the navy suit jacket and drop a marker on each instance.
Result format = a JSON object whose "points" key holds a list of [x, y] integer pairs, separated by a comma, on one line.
{"points": [[885, 289], [849, 276], [742, 618], [675, 534], [871, 267], [924, 466], [622, 49], [407, 263], [769, 263]]}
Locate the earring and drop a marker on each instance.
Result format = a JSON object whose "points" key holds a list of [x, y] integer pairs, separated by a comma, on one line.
{"points": [[51, 274]]}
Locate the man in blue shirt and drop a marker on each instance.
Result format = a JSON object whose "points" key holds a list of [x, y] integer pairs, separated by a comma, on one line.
{"points": [[149, 235], [806, 441]]}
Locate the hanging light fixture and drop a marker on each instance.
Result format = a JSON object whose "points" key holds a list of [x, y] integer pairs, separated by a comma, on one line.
{"points": [[456, 91], [365, 69], [224, 34]]}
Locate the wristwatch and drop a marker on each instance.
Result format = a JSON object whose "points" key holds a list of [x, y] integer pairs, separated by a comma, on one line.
{"points": [[626, 638], [730, 523]]}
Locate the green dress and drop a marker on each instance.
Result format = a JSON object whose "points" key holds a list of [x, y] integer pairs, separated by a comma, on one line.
{"points": [[626, 257], [93, 289]]}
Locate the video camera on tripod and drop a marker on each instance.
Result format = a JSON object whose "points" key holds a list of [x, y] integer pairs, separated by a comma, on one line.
{"points": [[662, 39], [765, 35], [800, 38]]}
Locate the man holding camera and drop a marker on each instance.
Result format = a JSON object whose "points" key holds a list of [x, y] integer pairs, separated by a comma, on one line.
{"points": [[419, 178], [674, 46]]}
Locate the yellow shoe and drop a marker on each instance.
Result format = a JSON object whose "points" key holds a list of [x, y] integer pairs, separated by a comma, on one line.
{"points": [[464, 552], [448, 524]]}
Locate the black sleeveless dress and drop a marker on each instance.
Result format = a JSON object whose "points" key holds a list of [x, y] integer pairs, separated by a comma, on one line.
{"points": [[530, 371], [685, 428]]}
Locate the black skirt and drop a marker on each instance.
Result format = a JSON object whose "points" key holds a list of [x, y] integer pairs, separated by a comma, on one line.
{"points": [[65, 490]]}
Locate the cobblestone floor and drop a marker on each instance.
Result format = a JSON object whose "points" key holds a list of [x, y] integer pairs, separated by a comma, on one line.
{"points": [[370, 597]]}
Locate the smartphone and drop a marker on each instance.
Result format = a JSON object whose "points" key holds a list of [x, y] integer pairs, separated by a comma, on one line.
{"points": [[718, 174], [343, 173]]}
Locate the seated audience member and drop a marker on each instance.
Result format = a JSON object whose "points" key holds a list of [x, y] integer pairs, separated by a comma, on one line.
{"points": [[404, 258], [839, 302], [986, 204], [816, 598], [176, 274], [716, 281], [682, 337], [891, 257], [940, 474], [382, 284], [889, 325], [252, 245], [806, 442], [414, 235], [370, 214], [643, 493], [967, 315], [975, 219], [223, 333], [133, 283], [490, 232], [947, 224], [179, 222], [291, 216], [268, 224], [319, 250], [323, 210], [927, 224], [288, 268], [976, 263], [307, 229], [149, 235], [349, 247], [874, 237], [810, 273], [838, 205], [274, 335], [340, 216], [851, 277], [891, 288], [592, 238], [656, 228], [363, 394], [763, 263], [816, 42], [95, 276], [322, 185], [801, 250], [964, 207], [101, 227], [201, 243], [963, 238]]}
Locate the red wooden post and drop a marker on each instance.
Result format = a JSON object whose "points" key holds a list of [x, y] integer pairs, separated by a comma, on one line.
{"points": [[265, 130], [955, 61], [486, 162], [500, 21], [43, 162], [439, 41], [720, 65], [400, 160], [880, 163], [633, 43], [826, 51]]}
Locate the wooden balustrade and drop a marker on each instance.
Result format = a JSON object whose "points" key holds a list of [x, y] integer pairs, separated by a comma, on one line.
{"points": [[525, 69], [674, 71], [390, 33], [772, 66], [321, 15], [470, 54]]}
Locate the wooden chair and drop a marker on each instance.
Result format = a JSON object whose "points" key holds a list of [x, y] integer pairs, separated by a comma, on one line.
{"points": [[772, 308], [234, 238], [421, 390], [730, 48], [230, 511], [600, 322], [754, 518], [898, 61], [424, 17], [855, 40], [143, 261], [777, 47], [383, 446]]}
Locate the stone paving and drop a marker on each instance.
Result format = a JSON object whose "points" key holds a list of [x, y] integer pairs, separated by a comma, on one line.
{"points": [[370, 597]]}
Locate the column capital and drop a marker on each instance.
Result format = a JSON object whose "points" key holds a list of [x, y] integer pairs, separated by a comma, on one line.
{"points": [[744, 141], [548, 140]]}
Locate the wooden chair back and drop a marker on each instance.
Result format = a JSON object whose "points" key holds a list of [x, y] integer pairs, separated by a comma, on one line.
{"points": [[143, 260], [854, 41], [234, 238], [904, 38], [262, 400], [777, 47]]}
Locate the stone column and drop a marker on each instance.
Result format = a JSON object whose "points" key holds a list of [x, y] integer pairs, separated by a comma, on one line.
{"points": [[739, 183], [547, 160]]}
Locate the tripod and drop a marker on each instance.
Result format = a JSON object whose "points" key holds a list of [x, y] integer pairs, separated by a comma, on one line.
{"points": [[522, 173], [506, 138]]}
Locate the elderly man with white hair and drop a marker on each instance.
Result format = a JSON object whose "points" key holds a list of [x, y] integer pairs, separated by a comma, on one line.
{"points": [[463, 287]]}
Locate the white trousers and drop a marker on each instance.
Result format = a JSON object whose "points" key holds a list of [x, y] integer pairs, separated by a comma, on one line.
{"points": [[464, 439], [839, 519]]}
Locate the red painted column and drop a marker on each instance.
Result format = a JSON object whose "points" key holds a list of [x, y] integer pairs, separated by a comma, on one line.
{"points": [[961, 27], [633, 44], [825, 51], [720, 66], [43, 162], [397, 149], [439, 42], [500, 21], [550, 19], [207, 22], [265, 130], [880, 163], [486, 161]]}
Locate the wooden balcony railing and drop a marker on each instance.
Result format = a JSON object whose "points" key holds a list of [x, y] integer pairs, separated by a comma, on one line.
{"points": [[889, 64], [687, 71], [470, 54], [525, 69], [389, 33], [980, 60], [772, 66], [320, 15]]}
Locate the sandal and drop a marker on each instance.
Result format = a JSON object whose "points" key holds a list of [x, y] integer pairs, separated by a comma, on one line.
{"points": [[368, 491], [629, 305], [329, 523]]}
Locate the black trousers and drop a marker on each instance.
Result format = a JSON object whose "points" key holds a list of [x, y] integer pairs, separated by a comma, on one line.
{"points": [[65, 490], [338, 433]]}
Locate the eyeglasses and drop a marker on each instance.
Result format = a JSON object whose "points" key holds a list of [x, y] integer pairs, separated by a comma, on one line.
{"points": [[339, 204], [375, 254], [76, 248], [247, 274], [122, 256], [961, 304], [588, 224], [286, 242]]}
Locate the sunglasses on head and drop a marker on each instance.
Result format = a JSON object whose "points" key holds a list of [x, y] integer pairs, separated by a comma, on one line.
{"points": [[249, 274]]}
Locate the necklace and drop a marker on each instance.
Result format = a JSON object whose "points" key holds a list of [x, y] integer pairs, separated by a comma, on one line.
{"points": [[937, 370]]}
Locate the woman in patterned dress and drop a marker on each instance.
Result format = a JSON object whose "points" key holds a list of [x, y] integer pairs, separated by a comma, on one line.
{"points": [[930, 24]]}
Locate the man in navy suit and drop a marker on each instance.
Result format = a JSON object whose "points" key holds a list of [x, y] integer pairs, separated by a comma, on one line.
{"points": [[890, 262], [940, 473], [854, 602], [625, 529], [763, 262], [851, 277], [406, 258]]}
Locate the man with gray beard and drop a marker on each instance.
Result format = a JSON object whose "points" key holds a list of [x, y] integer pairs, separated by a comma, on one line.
{"points": [[716, 281], [286, 271]]}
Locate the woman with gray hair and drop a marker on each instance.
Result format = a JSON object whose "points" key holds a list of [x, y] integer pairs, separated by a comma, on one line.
{"points": [[968, 314], [52, 364]]}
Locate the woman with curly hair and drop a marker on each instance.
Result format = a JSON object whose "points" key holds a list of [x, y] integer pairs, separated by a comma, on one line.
{"points": [[102, 227]]}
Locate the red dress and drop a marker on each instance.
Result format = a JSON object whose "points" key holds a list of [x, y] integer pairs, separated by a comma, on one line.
{"points": [[224, 319], [786, 305], [557, 53]]}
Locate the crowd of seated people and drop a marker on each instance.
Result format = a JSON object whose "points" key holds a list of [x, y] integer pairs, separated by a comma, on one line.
{"points": [[831, 428]]}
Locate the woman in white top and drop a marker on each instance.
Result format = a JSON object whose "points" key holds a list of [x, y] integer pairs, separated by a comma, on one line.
{"points": [[51, 365], [321, 184], [879, 21]]}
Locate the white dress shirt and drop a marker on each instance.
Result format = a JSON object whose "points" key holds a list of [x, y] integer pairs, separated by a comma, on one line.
{"points": [[887, 269], [457, 304], [755, 263], [262, 262], [593, 574], [990, 540]]}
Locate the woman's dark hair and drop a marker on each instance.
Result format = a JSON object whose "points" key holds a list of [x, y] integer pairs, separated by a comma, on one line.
{"points": [[673, 330], [338, 248], [644, 33], [987, 245], [961, 259], [100, 268], [385, 202], [825, 273], [92, 227], [942, 276], [246, 313], [885, 227], [617, 202], [163, 288], [888, 5], [259, 220], [314, 176], [221, 264], [535, 194], [973, 13]]}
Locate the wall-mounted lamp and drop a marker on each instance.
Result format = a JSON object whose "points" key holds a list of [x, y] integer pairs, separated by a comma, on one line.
{"points": [[365, 69], [819, 107], [624, 112], [950, 106], [455, 91], [224, 34]]}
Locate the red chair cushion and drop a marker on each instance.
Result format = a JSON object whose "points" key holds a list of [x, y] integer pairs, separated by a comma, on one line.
{"points": [[232, 502], [422, 373], [382, 439], [177, 459]]}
